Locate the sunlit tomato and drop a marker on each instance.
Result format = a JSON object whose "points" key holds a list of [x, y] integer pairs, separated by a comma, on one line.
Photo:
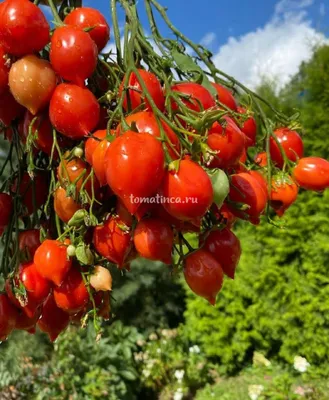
{"points": [[260, 179], [204, 275], [91, 144], [29, 241], [196, 97], [188, 192], [73, 111], [99, 161], [53, 320], [23, 28], [65, 207], [101, 279], [145, 121], [246, 190], [261, 159], [52, 262], [8, 317], [4, 70], [153, 239], [6, 208], [73, 54], [227, 140], [135, 167], [112, 240], [85, 17], [25, 323], [312, 173], [249, 128], [284, 193], [72, 295], [225, 96], [32, 82], [291, 143], [136, 96], [9, 108], [225, 248]]}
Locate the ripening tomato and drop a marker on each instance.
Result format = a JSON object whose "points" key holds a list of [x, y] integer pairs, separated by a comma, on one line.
{"points": [[101, 279], [225, 96], [32, 82], [227, 140], [91, 144], [99, 161], [249, 128], [291, 143], [73, 54], [53, 320], [52, 262], [65, 206], [9, 108], [135, 97], [86, 17], [23, 28], [25, 323], [72, 295], [225, 248], [73, 111], [154, 239], [112, 240], [8, 317], [29, 241], [204, 275], [261, 159], [312, 173], [246, 190], [4, 70], [188, 192], [135, 167], [6, 208], [284, 193], [197, 97], [260, 179]]}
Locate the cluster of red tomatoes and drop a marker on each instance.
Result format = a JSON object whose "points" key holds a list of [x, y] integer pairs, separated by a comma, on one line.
{"points": [[106, 190]]}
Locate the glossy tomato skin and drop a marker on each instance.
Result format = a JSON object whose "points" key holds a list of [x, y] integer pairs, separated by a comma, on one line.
{"points": [[23, 28], [52, 262], [204, 275], [225, 248], [154, 239], [249, 128], [92, 143], [145, 121], [291, 143], [9, 108], [29, 241], [42, 132], [53, 320], [227, 141], [65, 207], [225, 96], [312, 173], [72, 295], [260, 179], [8, 317], [113, 241], [188, 193], [73, 111], [135, 167], [261, 159], [284, 193], [99, 161], [29, 189], [4, 70], [86, 17], [6, 207], [73, 54], [25, 323], [199, 97], [137, 97]]}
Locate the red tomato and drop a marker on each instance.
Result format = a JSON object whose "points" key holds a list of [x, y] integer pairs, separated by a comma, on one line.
{"points": [[225, 96], [24, 323], [4, 70], [73, 111], [53, 319], [91, 144], [135, 167], [199, 98], [204, 275], [72, 295], [113, 240], [123, 213], [249, 128], [227, 141], [52, 262], [85, 17], [9, 108], [312, 173], [29, 241], [154, 239], [135, 97], [261, 159], [8, 317], [145, 121], [246, 190], [260, 179], [6, 208], [284, 193], [188, 193], [291, 143], [225, 248], [23, 28], [226, 216], [73, 54], [65, 207], [99, 161]]}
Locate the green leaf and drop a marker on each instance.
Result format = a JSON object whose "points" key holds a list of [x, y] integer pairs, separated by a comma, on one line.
{"points": [[220, 184], [84, 254], [129, 375], [78, 218]]}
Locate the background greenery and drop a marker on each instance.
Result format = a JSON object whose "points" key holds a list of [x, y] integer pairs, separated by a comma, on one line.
{"points": [[166, 343]]}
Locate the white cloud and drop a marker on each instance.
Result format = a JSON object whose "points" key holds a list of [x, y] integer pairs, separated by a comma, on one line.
{"points": [[208, 39]]}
